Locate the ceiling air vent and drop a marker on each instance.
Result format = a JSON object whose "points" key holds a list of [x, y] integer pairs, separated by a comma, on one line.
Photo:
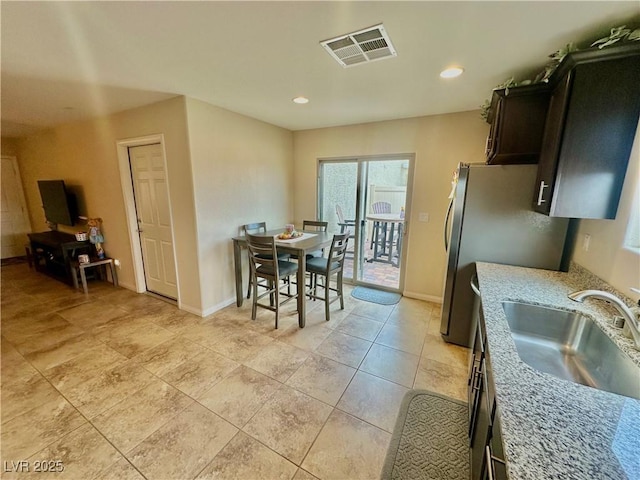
{"points": [[363, 46]]}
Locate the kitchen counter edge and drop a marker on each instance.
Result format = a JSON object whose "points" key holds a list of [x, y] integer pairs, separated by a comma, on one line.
{"points": [[553, 428]]}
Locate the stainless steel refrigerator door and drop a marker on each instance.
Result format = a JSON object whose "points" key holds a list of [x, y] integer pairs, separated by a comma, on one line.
{"points": [[454, 216], [497, 226]]}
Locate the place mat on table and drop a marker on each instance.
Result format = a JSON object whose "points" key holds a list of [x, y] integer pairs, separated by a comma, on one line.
{"points": [[304, 236]]}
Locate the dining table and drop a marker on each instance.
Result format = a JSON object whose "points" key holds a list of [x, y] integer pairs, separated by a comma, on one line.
{"points": [[310, 241], [386, 227]]}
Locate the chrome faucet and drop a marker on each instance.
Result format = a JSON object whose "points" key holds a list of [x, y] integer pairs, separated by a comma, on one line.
{"points": [[632, 329]]}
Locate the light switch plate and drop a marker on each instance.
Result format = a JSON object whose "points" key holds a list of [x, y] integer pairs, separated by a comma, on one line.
{"points": [[423, 217]]}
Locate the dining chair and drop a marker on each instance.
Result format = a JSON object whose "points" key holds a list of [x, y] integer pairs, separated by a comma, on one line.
{"points": [[315, 225], [327, 267], [265, 264], [318, 226], [258, 228], [254, 228], [346, 226]]}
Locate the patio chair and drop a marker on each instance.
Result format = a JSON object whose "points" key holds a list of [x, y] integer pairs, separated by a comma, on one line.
{"points": [[327, 267], [378, 207], [346, 226], [265, 264], [381, 207]]}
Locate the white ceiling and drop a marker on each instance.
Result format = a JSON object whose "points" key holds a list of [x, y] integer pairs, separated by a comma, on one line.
{"points": [[63, 62]]}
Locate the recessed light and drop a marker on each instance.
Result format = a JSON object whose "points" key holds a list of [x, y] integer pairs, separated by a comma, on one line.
{"points": [[452, 72], [301, 100]]}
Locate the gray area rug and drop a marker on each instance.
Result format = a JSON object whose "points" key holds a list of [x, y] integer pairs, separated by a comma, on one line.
{"points": [[429, 440], [375, 296]]}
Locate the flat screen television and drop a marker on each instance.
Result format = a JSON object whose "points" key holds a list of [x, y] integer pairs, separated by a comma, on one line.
{"points": [[59, 205]]}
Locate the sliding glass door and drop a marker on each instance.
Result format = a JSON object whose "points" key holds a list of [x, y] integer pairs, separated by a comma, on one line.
{"points": [[338, 205], [368, 198]]}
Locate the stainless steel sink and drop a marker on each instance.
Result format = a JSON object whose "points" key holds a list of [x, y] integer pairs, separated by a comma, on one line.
{"points": [[571, 346]]}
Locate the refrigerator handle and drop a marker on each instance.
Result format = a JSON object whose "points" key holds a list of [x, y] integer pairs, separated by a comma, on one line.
{"points": [[446, 225], [541, 193], [474, 285]]}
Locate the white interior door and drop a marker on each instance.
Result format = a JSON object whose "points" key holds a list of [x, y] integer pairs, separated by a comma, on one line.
{"points": [[15, 220], [154, 219]]}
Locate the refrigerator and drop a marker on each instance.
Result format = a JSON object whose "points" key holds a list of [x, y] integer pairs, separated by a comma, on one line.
{"points": [[490, 219]]}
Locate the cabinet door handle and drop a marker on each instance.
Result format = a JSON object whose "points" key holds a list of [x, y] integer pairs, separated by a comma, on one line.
{"points": [[475, 371], [472, 377], [490, 471], [477, 381], [541, 193], [490, 459]]}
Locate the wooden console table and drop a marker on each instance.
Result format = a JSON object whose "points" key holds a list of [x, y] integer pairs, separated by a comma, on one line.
{"points": [[52, 253]]}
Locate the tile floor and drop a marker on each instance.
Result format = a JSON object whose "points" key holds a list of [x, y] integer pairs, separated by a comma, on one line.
{"points": [[377, 273], [116, 385]]}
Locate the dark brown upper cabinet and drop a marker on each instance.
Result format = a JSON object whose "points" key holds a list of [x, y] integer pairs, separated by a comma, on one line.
{"points": [[517, 117], [589, 132]]}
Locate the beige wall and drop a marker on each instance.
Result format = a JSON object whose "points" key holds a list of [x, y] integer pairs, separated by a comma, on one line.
{"points": [[607, 258], [84, 155], [226, 169], [242, 173], [9, 147], [439, 143]]}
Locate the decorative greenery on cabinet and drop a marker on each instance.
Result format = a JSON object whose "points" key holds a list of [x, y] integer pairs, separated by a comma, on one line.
{"points": [[616, 35]]}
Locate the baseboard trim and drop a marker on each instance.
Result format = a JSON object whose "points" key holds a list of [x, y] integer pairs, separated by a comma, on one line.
{"points": [[219, 306], [421, 296], [128, 286], [190, 309]]}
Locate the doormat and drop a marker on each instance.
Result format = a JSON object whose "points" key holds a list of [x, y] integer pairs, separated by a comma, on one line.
{"points": [[429, 439], [375, 296]]}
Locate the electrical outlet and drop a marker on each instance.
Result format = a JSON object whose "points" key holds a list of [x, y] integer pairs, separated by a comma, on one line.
{"points": [[116, 262], [586, 240], [423, 217]]}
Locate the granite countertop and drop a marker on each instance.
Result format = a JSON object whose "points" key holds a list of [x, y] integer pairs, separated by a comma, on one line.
{"points": [[552, 428]]}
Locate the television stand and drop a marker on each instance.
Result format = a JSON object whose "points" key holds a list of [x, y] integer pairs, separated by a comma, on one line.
{"points": [[52, 253]]}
